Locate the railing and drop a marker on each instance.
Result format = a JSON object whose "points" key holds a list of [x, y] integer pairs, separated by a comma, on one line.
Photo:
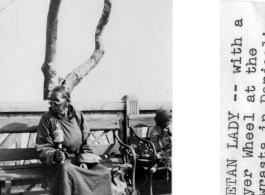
{"points": [[26, 116]]}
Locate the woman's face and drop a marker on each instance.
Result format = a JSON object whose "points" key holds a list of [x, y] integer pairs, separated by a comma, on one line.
{"points": [[58, 103], [164, 124]]}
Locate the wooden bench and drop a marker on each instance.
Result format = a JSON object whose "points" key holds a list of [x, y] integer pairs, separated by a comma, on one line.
{"points": [[20, 171], [140, 141]]}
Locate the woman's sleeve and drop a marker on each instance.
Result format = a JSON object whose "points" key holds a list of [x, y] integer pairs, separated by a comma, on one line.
{"points": [[86, 154], [154, 137], [44, 143]]}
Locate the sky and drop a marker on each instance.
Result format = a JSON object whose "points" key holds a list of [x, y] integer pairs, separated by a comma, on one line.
{"points": [[137, 41]]}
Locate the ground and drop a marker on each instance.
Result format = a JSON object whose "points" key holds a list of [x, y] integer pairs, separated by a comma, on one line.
{"points": [[160, 185]]}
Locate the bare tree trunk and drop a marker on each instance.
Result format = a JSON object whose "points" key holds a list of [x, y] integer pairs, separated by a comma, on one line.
{"points": [[74, 77], [48, 67]]}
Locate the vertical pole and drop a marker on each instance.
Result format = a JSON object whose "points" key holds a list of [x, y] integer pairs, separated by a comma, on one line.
{"points": [[6, 188], [131, 108]]}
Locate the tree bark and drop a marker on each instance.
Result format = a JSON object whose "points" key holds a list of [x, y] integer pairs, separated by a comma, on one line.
{"points": [[74, 77], [48, 68]]}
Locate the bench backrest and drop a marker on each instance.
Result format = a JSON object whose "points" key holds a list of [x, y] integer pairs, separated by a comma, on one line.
{"points": [[16, 132], [142, 120]]}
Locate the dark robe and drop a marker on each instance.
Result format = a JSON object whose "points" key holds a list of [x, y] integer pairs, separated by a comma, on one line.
{"points": [[68, 178]]}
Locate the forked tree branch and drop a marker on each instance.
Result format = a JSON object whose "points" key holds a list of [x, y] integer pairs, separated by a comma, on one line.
{"points": [[74, 77]]}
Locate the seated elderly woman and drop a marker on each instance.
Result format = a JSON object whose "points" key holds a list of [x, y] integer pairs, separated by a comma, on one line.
{"points": [[160, 135], [75, 169]]}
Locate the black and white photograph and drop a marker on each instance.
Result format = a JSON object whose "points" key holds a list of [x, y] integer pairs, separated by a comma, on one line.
{"points": [[86, 96]]}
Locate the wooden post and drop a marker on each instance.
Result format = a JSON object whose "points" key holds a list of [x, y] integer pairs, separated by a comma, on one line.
{"points": [[131, 108]]}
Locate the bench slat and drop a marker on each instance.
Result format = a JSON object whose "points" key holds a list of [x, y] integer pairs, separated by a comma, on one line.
{"points": [[37, 173], [38, 166], [31, 153], [33, 129], [106, 149], [111, 160], [18, 154], [16, 167], [142, 120], [33, 192], [21, 174]]}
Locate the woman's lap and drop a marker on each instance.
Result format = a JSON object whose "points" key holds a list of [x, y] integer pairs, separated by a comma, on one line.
{"points": [[67, 178]]}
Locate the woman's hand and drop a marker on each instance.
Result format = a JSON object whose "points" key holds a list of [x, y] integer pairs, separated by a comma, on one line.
{"points": [[159, 155], [83, 165], [59, 156]]}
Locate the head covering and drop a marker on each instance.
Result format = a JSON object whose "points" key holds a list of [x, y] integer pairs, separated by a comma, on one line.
{"points": [[162, 115], [63, 90]]}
